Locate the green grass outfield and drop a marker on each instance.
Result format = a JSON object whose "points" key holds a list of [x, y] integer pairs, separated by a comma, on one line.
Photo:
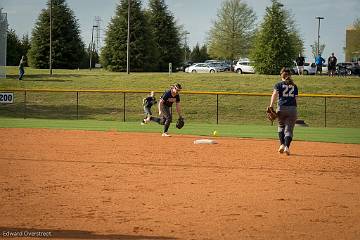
{"points": [[335, 135]]}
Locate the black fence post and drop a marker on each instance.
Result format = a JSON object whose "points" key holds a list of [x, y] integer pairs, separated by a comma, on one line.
{"points": [[124, 107], [325, 111], [77, 105], [217, 108], [25, 104]]}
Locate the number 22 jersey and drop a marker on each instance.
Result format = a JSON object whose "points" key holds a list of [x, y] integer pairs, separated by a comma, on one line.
{"points": [[287, 94]]}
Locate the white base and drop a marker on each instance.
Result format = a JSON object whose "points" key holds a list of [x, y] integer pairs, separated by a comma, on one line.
{"points": [[205, 141]]}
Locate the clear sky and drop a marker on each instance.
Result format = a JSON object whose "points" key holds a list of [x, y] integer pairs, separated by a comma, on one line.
{"points": [[197, 17]]}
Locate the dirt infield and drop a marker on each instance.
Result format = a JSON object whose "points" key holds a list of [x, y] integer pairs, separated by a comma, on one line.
{"points": [[113, 185]]}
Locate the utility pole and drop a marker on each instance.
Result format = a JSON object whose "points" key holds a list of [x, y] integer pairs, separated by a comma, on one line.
{"points": [[91, 47], [3, 42], [318, 40], [94, 45], [128, 41], [50, 55], [185, 45], [97, 35]]}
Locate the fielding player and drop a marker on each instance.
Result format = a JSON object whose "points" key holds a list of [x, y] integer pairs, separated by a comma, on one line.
{"points": [[148, 102], [287, 92], [165, 104]]}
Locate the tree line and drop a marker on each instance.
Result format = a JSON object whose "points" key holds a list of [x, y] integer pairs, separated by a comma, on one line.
{"points": [[156, 39]]}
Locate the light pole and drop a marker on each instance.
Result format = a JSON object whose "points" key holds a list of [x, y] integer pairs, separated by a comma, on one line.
{"points": [[318, 41], [185, 46], [91, 48], [128, 42], [50, 55]]}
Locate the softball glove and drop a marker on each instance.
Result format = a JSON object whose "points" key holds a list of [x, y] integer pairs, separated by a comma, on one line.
{"points": [[180, 123], [271, 114]]}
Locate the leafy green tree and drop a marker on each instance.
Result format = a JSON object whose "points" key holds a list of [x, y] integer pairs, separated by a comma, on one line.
{"points": [[166, 35], [25, 46], [195, 55], [13, 52], [294, 34], [204, 53], [114, 53], [199, 54], [274, 46], [230, 36], [85, 62], [67, 46]]}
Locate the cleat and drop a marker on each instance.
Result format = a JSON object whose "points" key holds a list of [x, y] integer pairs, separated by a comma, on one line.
{"points": [[165, 135], [287, 151], [281, 148]]}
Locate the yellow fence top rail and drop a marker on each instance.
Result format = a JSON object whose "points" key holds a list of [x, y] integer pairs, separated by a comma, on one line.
{"points": [[183, 92]]}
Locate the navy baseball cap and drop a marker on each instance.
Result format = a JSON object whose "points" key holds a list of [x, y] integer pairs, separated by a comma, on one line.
{"points": [[177, 86]]}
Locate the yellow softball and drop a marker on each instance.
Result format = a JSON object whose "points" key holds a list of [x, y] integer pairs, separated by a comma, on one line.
{"points": [[215, 133]]}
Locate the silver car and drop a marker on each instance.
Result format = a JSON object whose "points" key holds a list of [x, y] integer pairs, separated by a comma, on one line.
{"points": [[201, 68], [244, 66], [309, 69]]}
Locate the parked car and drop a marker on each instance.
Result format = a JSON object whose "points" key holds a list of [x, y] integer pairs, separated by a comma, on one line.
{"points": [[244, 66], [201, 68], [184, 65], [227, 65], [309, 69], [221, 66], [351, 68], [211, 61], [325, 69]]}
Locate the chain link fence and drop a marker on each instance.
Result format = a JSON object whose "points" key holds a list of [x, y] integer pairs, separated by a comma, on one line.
{"points": [[201, 107]]}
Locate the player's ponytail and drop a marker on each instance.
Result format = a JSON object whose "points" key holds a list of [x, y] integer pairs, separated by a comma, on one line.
{"points": [[288, 79]]}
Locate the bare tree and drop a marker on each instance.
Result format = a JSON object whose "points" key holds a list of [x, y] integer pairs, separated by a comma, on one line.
{"points": [[314, 49], [232, 31]]}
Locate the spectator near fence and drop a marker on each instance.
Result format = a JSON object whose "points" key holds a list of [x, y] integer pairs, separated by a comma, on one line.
{"points": [[319, 61], [21, 68], [300, 61], [332, 60], [148, 102]]}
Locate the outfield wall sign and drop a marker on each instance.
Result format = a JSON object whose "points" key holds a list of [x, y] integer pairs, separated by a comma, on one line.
{"points": [[6, 97]]}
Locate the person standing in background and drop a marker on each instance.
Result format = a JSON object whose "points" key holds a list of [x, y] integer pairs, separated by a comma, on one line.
{"points": [[332, 60], [319, 61], [21, 68], [300, 61]]}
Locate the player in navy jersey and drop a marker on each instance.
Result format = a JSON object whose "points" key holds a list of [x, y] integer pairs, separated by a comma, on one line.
{"points": [[286, 91], [165, 104], [148, 102]]}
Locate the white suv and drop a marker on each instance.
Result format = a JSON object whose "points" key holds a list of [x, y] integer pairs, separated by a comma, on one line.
{"points": [[244, 66], [309, 69]]}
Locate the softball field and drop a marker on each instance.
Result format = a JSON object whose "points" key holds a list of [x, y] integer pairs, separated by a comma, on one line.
{"points": [[72, 184]]}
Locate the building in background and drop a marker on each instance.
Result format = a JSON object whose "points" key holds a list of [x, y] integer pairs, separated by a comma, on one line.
{"points": [[352, 49]]}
